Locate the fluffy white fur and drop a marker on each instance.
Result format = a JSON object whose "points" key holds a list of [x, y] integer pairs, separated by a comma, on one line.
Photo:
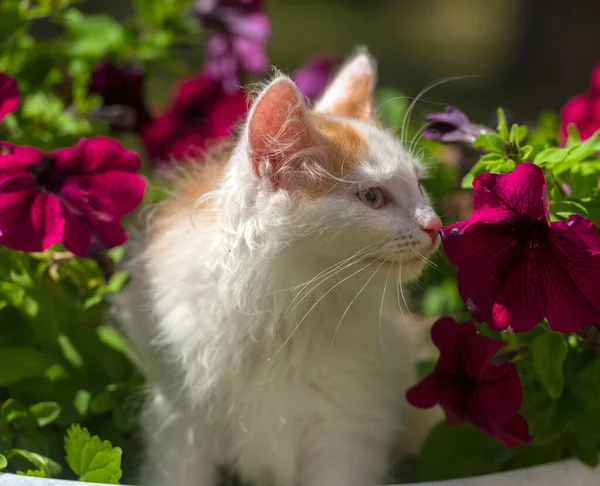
{"points": [[267, 323]]}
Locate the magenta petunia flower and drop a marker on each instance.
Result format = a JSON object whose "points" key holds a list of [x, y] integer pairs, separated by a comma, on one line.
{"points": [[201, 112], [313, 76], [515, 267], [583, 111], [469, 388], [238, 33], [73, 195], [121, 88], [9, 95]]}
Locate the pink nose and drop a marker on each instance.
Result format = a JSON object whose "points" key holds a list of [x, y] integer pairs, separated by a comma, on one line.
{"points": [[432, 228]]}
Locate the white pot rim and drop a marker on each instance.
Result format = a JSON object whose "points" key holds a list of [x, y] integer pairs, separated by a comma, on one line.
{"points": [[569, 472]]}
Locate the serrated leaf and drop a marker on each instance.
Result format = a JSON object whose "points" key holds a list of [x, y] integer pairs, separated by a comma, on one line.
{"points": [[45, 412], [18, 363], [37, 473], [92, 459], [548, 353]]}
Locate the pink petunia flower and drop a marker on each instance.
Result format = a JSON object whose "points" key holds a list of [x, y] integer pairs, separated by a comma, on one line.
{"points": [[201, 112], [515, 267], [583, 111], [313, 76], [469, 388], [9, 95], [73, 195], [239, 31]]}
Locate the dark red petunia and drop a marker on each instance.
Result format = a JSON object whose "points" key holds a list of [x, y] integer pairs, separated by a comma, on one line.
{"points": [[515, 267], [201, 112], [9, 95], [238, 34], [121, 89], [469, 388], [583, 111], [73, 195]]}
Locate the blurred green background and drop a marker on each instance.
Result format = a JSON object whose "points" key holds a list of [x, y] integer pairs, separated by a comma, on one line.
{"points": [[529, 55]]}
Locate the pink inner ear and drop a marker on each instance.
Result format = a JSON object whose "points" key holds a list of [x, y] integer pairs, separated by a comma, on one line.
{"points": [[279, 127]]}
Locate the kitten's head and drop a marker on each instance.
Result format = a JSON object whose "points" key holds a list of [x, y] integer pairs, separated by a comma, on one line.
{"points": [[341, 184]]}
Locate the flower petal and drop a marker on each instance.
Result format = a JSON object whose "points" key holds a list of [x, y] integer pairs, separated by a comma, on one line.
{"points": [[574, 293], [512, 433], [9, 95], [313, 76], [98, 154], [451, 338], [477, 356], [498, 400], [17, 158], [124, 190], [499, 197], [424, 393]]}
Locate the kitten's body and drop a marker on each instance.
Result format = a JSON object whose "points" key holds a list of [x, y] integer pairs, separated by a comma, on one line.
{"points": [[252, 362]]}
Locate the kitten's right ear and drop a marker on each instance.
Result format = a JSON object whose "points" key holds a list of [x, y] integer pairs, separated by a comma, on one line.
{"points": [[350, 94], [279, 128]]}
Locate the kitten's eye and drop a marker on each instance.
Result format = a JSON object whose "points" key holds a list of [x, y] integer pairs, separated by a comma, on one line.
{"points": [[372, 197]]}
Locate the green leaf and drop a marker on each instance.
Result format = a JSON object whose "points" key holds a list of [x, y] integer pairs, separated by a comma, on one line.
{"points": [[111, 337], [3, 462], [50, 467], [425, 368], [117, 282], [584, 178], [69, 351], [497, 165], [548, 353], [81, 402], [492, 142], [93, 36], [45, 412], [37, 473], [92, 459], [586, 452], [451, 452], [566, 207], [18, 363], [502, 128]]}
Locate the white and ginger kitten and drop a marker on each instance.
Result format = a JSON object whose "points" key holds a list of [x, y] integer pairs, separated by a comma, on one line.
{"points": [[263, 305]]}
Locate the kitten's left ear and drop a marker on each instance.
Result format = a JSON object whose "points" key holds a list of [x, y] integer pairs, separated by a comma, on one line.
{"points": [[350, 94], [279, 131]]}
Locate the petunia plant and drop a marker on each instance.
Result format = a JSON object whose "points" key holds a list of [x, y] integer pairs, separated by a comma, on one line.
{"points": [[522, 365]]}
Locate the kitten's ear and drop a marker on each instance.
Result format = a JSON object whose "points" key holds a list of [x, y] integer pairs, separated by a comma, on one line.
{"points": [[350, 93], [279, 128]]}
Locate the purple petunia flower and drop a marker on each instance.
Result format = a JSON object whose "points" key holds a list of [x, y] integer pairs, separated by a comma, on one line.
{"points": [[452, 125], [239, 31], [73, 195], [469, 388], [121, 88], [313, 76], [515, 267], [9, 95]]}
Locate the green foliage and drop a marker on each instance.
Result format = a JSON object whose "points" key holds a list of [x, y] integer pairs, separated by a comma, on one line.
{"points": [[92, 459], [548, 353]]}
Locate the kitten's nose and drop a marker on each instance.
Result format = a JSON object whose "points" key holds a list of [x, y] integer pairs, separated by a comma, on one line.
{"points": [[432, 228]]}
